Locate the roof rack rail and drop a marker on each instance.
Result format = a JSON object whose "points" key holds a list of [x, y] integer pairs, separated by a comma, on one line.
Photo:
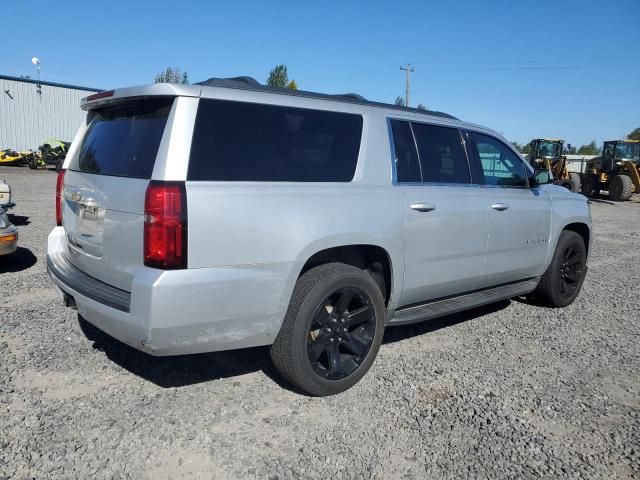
{"points": [[249, 83]]}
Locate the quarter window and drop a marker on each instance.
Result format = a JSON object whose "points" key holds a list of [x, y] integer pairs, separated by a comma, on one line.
{"points": [[237, 141], [442, 156], [406, 156], [500, 165]]}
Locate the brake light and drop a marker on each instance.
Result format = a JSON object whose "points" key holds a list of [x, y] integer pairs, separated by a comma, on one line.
{"points": [[59, 197], [96, 96], [165, 225]]}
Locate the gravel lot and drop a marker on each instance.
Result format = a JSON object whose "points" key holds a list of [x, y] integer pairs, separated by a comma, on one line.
{"points": [[507, 391]]}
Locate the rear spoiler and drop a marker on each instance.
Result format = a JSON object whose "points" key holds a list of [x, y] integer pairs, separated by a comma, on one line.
{"points": [[154, 90]]}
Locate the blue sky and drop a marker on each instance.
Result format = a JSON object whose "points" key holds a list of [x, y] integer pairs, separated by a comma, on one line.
{"points": [[563, 68]]}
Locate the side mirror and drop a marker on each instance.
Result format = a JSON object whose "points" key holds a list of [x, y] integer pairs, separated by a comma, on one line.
{"points": [[541, 176]]}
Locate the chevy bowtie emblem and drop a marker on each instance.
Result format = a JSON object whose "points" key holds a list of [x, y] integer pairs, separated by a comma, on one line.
{"points": [[75, 196]]}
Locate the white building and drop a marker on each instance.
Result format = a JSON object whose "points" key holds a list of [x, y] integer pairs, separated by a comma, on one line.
{"points": [[32, 111]]}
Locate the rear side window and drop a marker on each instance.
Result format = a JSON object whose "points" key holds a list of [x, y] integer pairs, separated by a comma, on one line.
{"points": [[406, 156], [123, 140], [442, 155], [236, 141]]}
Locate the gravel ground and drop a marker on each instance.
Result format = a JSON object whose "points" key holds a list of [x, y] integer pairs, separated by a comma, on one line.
{"points": [[507, 391]]}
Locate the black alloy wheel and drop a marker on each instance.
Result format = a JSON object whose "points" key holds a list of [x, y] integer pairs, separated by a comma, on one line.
{"points": [[571, 267], [341, 333]]}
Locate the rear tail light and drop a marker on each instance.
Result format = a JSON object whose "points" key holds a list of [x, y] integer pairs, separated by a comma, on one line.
{"points": [[59, 198], [165, 225]]}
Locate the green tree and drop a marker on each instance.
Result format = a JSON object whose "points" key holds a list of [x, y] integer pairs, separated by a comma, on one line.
{"points": [[399, 101], [590, 149], [172, 75], [635, 135], [279, 77], [421, 106]]}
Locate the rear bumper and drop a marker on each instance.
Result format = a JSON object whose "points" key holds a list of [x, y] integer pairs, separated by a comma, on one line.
{"points": [[181, 311]]}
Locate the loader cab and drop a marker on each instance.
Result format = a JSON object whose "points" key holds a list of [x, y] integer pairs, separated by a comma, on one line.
{"points": [[544, 148], [615, 152]]}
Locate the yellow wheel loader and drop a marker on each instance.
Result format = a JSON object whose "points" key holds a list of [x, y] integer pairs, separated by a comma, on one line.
{"points": [[617, 170], [547, 153]]}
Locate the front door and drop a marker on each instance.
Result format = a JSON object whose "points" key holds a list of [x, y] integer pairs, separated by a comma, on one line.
{"points": [[519, 216]]}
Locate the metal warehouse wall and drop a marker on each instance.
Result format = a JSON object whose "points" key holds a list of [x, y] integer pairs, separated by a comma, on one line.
{"points": [[28, 118]]}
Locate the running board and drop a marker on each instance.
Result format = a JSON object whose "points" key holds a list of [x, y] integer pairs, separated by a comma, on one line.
{"points": [[439, 308]]}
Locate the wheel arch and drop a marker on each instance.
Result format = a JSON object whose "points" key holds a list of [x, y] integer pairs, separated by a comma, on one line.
{"points": [[375, 259], [581, 229]]}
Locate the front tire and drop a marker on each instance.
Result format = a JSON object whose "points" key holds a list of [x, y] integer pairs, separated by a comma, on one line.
{"points": [[332, 331], [620, 188], [561, 283]]}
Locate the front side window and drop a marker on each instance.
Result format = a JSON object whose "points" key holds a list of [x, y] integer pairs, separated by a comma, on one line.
{"points": [[442, 155], [500, 165], [238, 141], [406, 155]]}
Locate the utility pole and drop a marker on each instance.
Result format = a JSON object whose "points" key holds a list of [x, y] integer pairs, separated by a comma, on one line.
{"points": [[407, 69]]}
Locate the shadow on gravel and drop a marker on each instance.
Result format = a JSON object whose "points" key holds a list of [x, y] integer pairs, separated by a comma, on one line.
{"points": [[599, 200], [19, 220], [182, 370], [402, 332], [18, 261]]}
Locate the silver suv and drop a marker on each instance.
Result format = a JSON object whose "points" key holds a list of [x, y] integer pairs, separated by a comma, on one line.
{"points": [[227, 215]]}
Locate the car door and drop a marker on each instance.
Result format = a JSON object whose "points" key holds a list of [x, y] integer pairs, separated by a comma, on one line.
{"points": [[519, 216], [445, 213]]}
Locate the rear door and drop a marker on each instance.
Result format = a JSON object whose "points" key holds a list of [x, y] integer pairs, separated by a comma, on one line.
{"points": [[105, 184], [519, 216], [445, 213]]}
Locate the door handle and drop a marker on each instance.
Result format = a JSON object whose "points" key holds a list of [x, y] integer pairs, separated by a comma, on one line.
{"points": [[500, 206], [423, 207]]}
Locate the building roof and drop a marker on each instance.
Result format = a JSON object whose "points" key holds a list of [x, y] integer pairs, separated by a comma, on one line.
{"points": [[248, 83], [50, 84]]}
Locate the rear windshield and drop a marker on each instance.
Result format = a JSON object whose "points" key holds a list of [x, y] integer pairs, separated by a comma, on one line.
{"points": [[235, 141], [123, 140]]}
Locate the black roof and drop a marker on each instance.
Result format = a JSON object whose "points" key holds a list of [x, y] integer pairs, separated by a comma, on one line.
{"points": [[249, 83], [51, 84]]}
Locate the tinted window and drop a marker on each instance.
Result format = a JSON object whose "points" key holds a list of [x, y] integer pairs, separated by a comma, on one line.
{"points": [[500, 165], [237, 141], [123, 140], [442, 156], [406, 156]]}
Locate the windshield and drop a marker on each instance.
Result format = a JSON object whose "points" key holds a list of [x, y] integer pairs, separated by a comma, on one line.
{"points": [[550, 149], [628, 151]]}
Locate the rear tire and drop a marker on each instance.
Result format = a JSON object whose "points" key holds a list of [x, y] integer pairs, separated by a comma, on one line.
{"points": [[33, 162], [590, 185], [561, 283], [620, 188], [332, 331], [568, 184], [577, 182]]}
